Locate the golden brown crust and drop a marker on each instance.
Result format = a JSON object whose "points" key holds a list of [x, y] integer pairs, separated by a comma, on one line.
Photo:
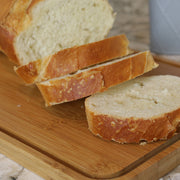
{"points": [[6, 44], [133, 130], [15, 14], [139, 65], [13, 19], [62, 63], [30, 71], [72, 59], [69, 89], [116, 73], [110, 74], [18, 19], [6, 36], [102, 51], [6, 6]]}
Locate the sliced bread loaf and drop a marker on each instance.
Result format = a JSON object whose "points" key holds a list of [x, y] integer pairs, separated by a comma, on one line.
{"points": [[146, 108], [72, 59], [96, 78], [33, 29]]}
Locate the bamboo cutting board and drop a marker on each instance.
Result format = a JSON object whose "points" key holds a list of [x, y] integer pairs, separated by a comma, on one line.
{"points": [[55, 143]]}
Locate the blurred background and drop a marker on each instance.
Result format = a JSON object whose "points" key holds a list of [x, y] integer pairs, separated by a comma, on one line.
{"points": [[132, 19]]}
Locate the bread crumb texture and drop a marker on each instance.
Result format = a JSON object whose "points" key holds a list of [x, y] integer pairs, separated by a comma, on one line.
{"points": [[146, 108], [143, 97], [59, 24]]}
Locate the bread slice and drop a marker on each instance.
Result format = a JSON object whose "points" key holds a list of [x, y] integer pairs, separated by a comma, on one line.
{"points": [[33, 29], [146, 108], [95, 79], [72, 59]]}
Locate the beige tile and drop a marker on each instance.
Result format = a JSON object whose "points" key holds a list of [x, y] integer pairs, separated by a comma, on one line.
{"points": [[27, 175], [2, 156], [8, 168]]}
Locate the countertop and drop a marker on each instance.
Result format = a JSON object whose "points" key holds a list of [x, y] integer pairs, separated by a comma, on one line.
{"points": [[132, 19]]}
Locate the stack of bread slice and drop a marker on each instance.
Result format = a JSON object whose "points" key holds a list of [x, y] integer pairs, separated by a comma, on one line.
{"points": [[96, 78], [60, 46]]}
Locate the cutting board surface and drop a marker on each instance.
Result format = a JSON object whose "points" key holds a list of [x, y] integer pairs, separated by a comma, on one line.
{"points": [[60, 133]]}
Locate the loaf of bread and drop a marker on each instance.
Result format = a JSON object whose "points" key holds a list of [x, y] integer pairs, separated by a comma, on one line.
{"points": [[96, 78], [143, 109], [33, 29], [72, 59]]}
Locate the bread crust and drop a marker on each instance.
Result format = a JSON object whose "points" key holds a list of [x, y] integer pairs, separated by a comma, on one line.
{"points": [[6, 36], [112, 73], [133, 130], [16, 14], [69, 89], [6, 44], [7, 5], [14, 18], [30, 71], [72, 59]]}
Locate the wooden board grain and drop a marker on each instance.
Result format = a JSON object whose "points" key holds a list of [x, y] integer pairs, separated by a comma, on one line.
{"points": [[55, 142]]}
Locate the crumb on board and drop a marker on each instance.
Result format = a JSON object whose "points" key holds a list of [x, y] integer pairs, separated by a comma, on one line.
{"points": [[143, 143]]}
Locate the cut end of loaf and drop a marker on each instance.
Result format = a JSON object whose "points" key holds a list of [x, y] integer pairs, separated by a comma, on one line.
{"points": [[59, 24], [146, 108]]}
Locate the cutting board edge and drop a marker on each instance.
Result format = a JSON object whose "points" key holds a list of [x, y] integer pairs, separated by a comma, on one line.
{"points": [[35, 161], [20, 152], [156, 167], [63, 171]]}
